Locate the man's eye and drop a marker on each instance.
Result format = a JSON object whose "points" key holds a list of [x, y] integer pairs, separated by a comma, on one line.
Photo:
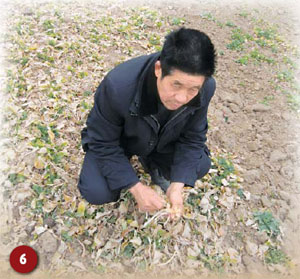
{"points": [[193, 91], [176, 85]]}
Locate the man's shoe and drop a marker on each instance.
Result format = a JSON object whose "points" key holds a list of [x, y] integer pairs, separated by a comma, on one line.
{"points": [[156, 177], [159, 180]]}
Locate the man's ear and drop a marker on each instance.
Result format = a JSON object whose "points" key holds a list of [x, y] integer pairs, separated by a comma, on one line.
{"points": [[157, 69]]}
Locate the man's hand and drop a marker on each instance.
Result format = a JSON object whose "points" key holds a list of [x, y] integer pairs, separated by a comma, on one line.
{"points": [[174, 193], [147, 199]]}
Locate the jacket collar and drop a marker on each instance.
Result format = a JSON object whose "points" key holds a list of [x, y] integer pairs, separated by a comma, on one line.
{"points": [[147, 98]]}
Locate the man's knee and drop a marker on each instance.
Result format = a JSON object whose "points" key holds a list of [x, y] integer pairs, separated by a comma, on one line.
{"points": [[95, 194], [204, 166], [92, 184]]}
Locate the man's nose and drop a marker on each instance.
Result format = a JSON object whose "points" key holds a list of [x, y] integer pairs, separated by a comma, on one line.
{"points": [[181, 98]]}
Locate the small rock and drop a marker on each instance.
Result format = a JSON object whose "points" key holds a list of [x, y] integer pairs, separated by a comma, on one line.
{"points": [[277, 155], [29, 229], [266, 202], [253, 146], [235, 89], [234, 108], [227, 98], [283, 212], [48, 242], [49, 222], [28, 12], [260, 108], [287, 172], [251, 175], [251, 248], [262, 237]]}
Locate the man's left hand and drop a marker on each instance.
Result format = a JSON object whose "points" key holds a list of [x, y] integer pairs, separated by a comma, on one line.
{"points": [[174, 193]]}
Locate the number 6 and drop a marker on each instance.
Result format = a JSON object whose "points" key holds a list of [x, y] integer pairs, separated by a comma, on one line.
{"points": [[23, 259]]}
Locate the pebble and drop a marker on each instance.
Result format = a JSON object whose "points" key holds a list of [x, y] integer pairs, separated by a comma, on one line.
{"points": [[234, 108], [28, 12], [251, 248], [253, 146], [262, 237], [266, 202], [49, 222], [283, 212], [287, 172], [48, 242], [286, 116], [259, 108], [277, 155], [251, 175]]}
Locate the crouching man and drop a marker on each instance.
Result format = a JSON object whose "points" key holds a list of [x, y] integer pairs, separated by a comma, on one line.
{"points": [[153, 106]]}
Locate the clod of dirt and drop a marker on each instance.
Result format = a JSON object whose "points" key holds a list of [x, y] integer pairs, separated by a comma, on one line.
{"points": [[253, 266], [251, 248], [277, 155], [48, 243], [251, 175], [266, 202], [259, 108]]}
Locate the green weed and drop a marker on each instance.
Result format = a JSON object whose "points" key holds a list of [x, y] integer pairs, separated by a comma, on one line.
{"points": [[48, 24], [243, 14], [238, 39], [243, 60], [177, 21], [230, 24], [266, 222], [16, 178], [293, 100], [285, 76], [256, 55], [267, 99], [208, 16], [275, 256]]}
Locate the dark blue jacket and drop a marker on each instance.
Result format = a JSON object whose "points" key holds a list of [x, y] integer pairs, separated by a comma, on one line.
{"points": [[122, 123]]}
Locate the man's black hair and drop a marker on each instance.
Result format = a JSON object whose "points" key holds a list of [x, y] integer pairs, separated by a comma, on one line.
{"points": [[190, 51]]}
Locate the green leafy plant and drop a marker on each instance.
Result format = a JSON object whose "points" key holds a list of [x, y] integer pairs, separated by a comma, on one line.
{"points": [[16, 178], [275, 256], [267, 222], [230, 24]]}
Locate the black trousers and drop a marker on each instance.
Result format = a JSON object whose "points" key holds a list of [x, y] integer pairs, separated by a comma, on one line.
{"points": [[94, 187]]}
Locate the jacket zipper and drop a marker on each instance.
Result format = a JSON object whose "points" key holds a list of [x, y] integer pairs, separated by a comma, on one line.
{"points": [[155, 121], [173, 118]]}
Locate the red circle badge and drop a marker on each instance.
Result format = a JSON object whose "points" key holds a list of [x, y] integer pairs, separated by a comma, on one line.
{"points": [[23, 259]]}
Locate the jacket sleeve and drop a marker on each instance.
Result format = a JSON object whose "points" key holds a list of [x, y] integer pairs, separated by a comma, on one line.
{"points": [[191, 146], [104, 128]]}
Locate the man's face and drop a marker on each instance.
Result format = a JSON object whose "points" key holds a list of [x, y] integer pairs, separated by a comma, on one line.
{"points": [[178, 88]]}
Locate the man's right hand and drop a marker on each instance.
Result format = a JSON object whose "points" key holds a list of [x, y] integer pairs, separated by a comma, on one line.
{"points": [[147, 199]]}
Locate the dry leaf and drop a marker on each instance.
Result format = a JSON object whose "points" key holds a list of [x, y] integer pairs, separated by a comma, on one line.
{"points": [[39, 163], [81, 208], [51, 135]]}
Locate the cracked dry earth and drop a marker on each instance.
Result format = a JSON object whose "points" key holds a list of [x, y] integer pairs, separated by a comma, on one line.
{"points": [[252, 118]]}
